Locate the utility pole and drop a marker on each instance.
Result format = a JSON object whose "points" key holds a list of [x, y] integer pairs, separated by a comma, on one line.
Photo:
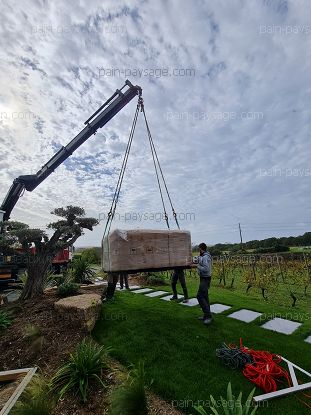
{"points": [[240, 235]]}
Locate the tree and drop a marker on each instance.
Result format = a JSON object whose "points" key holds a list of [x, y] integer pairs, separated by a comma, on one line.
{"points": [[66, 231]]}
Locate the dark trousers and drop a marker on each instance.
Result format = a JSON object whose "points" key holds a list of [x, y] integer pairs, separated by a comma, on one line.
{"points": [[112, 283], [202, 296], [179, 275], [124, 280]]}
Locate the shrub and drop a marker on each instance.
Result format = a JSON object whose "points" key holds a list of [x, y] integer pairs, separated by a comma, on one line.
{"points": [[36, 399], [130, 398], [91, 255], [83, 366], [67, 289], [231, 405], [82, 270], [66, 277], [5, 320], [154, 280]]}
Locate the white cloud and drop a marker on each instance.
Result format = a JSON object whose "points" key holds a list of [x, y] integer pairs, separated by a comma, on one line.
{"points": [[219, 133]]}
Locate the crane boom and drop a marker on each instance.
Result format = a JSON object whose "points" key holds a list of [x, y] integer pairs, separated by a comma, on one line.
{"points": [[29, 182]]}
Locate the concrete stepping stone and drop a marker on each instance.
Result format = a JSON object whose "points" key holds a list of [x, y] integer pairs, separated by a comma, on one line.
{"points": [[219, 308], [245, 315], [308, 339], [191, 303], [168, 297], [133, 287], [142, 291], [281, 325], [156, 294]]}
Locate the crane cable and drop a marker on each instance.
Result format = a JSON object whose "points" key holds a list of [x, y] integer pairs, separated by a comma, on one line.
{"points": [[116, 195], [155, 157], [157, 166]]}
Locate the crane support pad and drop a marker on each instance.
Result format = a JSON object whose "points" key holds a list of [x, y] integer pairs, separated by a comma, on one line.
{"points": [[141, 250]]}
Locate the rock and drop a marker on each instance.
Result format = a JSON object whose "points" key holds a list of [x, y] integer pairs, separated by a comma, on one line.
{"points": [[83, 308]]}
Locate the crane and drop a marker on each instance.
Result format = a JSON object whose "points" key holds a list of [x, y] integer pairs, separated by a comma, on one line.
{"points": [[100, 117], [8, 271]]}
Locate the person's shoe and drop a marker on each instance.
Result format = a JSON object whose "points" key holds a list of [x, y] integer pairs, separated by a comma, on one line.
{"points": [[173, 298], [207, 321], [185, 300]]}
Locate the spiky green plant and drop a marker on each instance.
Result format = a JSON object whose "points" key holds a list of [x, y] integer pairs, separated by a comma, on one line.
{"points": [[86, 364], [23, 278], [5, 320], [130, 398], [64, 278], [48, 280], [82, 270], [37, 399], [231, 405]]}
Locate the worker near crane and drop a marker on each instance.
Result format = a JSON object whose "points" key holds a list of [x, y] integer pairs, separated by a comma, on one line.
{"points": [[204, 268], [124, 281], [179, 274], [112, 280]]}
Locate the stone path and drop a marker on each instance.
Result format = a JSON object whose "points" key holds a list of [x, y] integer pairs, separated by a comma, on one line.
{"points": [[191, 303], [168, 297], [156, 294], [245, 315], [279, 325]]}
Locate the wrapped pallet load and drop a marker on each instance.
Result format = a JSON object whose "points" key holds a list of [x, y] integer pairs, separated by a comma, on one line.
{"points": [[138, 250]]}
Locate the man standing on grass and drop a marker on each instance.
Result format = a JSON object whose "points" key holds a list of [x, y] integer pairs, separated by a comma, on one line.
{"points": [[205, 273], [124, 281], [178, 274], [109, 291]]}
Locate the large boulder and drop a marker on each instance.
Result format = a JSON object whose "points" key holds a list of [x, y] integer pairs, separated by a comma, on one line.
{"points": [[84, 309]]}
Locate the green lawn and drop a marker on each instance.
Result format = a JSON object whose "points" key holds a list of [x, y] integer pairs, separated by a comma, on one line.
{"points": [[179, 352]]}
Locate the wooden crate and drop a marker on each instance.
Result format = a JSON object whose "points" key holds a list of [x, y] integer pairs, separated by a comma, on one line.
{"points": [[144, 250]]}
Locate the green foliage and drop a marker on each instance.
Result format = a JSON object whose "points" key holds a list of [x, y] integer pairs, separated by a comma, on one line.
{"points": [[130, 398], [73, 223], [5, 320], [91, 255], [48, 280], [154, 280], [64, 278], [83, 366], [272, 249], [67, 289], [23, 278], [82, 270], [231, 405], [36, 399]]}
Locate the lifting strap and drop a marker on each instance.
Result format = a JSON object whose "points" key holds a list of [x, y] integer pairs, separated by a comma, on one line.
{"points": [[122, 171], [155, 157], [157, 166]]}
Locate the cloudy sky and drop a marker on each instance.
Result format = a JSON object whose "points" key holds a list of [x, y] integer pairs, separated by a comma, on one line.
{"points": [[227, 91]]}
